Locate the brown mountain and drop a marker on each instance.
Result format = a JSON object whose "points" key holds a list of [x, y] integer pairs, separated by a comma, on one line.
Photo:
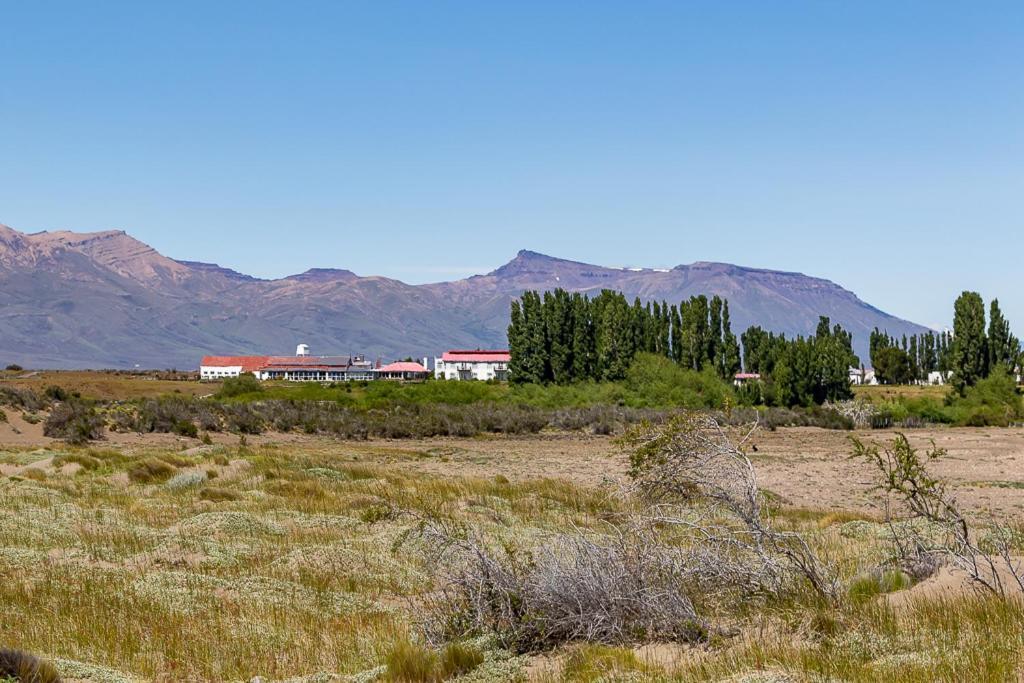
{"points": [[105, 299]]}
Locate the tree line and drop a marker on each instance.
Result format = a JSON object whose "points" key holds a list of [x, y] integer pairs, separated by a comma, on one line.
{"points": [[975, 353], [561, 337], [913, 360], [964, 356], [799, 371], [564, 338]]}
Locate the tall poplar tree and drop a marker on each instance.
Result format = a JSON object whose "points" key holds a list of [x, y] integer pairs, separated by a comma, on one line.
{"points": [[730, 363], [969, 356], [584, 350], [1003, 347], [559, 334]]}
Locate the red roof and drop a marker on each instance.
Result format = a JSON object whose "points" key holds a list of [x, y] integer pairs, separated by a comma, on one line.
{"points": [[747, 375], [247, 363], [477, 356], [403, 366]]}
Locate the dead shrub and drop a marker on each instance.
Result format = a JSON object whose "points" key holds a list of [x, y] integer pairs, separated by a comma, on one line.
{"points": [[25, 399], [619, 589], [946, 535], [696, 480]]}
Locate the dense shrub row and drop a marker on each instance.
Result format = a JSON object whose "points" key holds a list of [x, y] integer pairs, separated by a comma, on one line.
{"points": [[994, 401], [653, 389], [79, 420]]}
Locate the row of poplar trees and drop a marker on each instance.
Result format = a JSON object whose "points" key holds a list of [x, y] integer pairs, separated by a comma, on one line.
{"points": [[975, 353], [913, 359], [563, 338], [965, 356]]}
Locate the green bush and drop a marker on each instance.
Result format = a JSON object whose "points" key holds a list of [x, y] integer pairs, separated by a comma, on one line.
{"points": [[459, 658], [245, 383], [866, 587], [992, 401], [411, 663]]}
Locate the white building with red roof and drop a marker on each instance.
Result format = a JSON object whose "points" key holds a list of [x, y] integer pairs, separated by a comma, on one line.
{"points": [[302, 367], [220, 367], [479, 364]]}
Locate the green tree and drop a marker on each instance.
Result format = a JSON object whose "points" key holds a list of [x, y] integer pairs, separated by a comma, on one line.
{"points": [[892, 366], [528, 348], [1003, 348], [676, 334], [730, 356], [559, 334], [584, 349], [516, 344], [615, 347], [969, 357]]}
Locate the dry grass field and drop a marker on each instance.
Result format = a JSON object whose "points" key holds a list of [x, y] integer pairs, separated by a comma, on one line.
{"points": [[101, 385], [293, 559], [877, 393]]}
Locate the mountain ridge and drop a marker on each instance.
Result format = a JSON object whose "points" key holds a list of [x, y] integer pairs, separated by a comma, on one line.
{"points": [[106, 299]]}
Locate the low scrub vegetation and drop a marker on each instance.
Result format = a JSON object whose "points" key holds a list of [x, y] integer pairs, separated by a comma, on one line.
{"points": [[325, 562], [994, 401], [653, 389], [75, 421]]}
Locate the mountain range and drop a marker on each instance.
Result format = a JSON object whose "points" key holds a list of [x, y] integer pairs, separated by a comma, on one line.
{"points": [[107, 300]]}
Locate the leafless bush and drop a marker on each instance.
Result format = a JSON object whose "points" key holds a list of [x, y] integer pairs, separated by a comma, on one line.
{"points": [[697, 480], [945, 534], [612, 589], [860, 412]]}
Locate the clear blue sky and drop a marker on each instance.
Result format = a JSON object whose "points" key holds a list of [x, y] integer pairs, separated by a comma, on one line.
{"points": [[878, 144]]}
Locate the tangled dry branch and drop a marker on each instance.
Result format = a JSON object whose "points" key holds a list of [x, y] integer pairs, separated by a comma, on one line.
{"points": [[697, 478], [616, 588], [949, 536]]}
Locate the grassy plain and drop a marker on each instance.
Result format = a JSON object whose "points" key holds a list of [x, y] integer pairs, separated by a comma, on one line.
{"points": [[101, 385], [167, 560]]}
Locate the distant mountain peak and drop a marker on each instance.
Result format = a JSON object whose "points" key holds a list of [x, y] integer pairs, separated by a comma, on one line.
{"points": [[214, 268], [105, 299], [323, 275]]}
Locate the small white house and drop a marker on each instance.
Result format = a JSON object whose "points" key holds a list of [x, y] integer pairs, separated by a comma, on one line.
{"points": [[864, 376], [936, 377], [467, 365]]}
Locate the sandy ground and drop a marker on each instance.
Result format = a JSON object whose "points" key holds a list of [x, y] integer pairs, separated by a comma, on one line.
{"points": [[806, 466]]}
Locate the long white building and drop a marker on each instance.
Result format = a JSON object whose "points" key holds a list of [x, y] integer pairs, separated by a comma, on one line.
{"points": [[467, 365]]}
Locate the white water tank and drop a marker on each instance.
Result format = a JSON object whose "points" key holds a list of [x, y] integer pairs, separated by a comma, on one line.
{"points": [[302, 350]]}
